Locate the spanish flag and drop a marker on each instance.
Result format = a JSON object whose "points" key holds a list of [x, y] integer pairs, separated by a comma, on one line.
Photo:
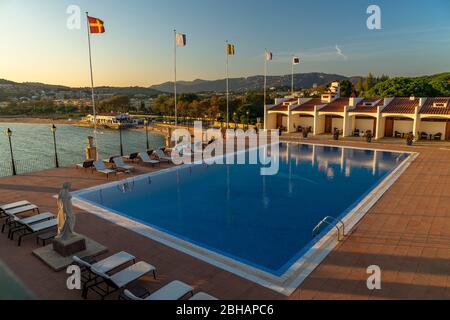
{"points": [[96, 25], [230, 49]]}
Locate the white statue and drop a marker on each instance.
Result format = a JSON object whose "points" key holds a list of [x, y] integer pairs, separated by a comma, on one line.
{"points": [[66, 218]]}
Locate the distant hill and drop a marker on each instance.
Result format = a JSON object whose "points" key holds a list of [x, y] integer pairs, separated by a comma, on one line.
{"points": [[301, 80]]}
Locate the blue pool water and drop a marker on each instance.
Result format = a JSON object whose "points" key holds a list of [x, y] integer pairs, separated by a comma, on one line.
{"points": [[263, 221]]}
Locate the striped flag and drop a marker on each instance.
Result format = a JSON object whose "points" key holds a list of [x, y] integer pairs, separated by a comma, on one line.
{"points": [[269, 56], [296, 60], [181, 39], [230, 49]]}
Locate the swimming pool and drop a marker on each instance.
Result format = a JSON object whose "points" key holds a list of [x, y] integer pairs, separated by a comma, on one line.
{"points": [[231, 216]]}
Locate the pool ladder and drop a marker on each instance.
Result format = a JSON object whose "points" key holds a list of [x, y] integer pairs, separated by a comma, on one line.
{"points": [[339, 225]]}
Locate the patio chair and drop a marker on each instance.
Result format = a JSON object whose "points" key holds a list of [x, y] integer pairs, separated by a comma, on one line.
{"points": [[101, 168], [17, 224], [356, 133], [146, 159], [133, 156], [175, 290], [398, 134], [119, 280], [424, 136], [37, 228], [437, 136], [120, 164], [161, 156], [202, 296], [106, 266]]}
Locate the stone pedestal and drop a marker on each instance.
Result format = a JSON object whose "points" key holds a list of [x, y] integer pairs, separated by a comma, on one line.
{"points": [[69, 247]]}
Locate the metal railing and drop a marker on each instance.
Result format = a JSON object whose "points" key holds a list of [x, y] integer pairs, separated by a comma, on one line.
{"points": [[339, 225]]}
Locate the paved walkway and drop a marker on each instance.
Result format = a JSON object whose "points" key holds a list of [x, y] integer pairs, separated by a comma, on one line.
{"points": [[407, 234]]}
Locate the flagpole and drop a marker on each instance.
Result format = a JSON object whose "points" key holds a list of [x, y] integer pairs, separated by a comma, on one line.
{"points": [[228, 94], [265, 91], [92, 80], [175, 71], [292, 84]]}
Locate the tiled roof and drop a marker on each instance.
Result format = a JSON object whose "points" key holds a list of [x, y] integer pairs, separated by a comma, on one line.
{"points": [[337, 105], [279, 107], [402, 106], [429, 107], [362, 107], [308, 106]]}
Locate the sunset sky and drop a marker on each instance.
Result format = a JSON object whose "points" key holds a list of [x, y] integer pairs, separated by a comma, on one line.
{"points": [[137, 48]]}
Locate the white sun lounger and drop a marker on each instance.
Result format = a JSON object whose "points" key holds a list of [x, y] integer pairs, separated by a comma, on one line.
{"points": [[146, 159], [109, 264], [19, 210], [14, 205], [120, 164], [120, 279], [101, 168], [16, 224], [31, 229], [175, 290], [162, 156], [202, 296]]}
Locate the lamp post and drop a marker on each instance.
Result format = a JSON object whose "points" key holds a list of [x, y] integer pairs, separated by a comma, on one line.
{"points": [[146, 122], [121, 142], [248, 119], [13, 165], [53, 128]]}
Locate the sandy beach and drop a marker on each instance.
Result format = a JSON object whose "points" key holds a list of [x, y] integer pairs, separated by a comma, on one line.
{"points": [[25, 120]]}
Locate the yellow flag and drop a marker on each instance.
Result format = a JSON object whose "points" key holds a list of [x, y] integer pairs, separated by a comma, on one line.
{"points": [[230, 49]]}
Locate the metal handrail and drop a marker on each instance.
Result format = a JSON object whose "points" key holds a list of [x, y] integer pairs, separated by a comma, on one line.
{"points": [[337, 224]]}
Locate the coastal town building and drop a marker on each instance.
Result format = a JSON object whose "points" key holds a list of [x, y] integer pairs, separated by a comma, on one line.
{"points": [[425, 118]]}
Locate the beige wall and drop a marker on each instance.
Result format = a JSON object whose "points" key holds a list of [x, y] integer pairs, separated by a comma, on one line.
{"points": [[338, 123], [403, 126], [364, 124], [304, 121], [432, 127]]}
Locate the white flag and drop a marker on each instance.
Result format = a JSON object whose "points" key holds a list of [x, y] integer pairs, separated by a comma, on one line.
{"points": [[269, 56], [181, 39]]}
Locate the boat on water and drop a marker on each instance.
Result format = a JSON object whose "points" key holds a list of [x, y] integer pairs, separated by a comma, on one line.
{"points": [[111, 121]]}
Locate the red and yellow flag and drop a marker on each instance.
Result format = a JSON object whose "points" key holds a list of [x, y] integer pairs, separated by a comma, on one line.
{"points": [[96, 25]]}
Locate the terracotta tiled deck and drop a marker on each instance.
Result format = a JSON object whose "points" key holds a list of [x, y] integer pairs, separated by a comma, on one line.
{"points": [[407, 233]]}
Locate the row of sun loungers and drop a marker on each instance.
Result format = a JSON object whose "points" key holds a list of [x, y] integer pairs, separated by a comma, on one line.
{"points": [[102, 278], [119, 165], [35, 224]]}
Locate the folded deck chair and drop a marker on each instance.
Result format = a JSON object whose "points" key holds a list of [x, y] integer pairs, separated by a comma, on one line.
{"points": [[101, 168], [175, 290], [88, 164], [33, 229], [120, 164], [105, 266], [146, 159], [201, 296], [16, 224], [162, 156], [119, 280]]}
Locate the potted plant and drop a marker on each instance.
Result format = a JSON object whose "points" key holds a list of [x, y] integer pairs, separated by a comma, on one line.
{"points": [[336, 134], [305, 133], [369, 136], [409, 139]]}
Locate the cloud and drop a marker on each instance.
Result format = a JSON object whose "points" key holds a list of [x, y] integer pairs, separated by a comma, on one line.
{"points": [[340, 53]]}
